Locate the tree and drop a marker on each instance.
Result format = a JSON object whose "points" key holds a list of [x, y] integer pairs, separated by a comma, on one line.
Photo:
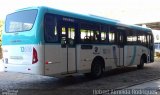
{"points": [[1, 28]]}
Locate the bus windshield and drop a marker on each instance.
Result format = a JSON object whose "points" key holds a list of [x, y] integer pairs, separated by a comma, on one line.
{"points": [[20, 21]]}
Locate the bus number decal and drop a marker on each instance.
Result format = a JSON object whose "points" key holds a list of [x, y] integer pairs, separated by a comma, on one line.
{"points": [[96, 50], [26, 49]]}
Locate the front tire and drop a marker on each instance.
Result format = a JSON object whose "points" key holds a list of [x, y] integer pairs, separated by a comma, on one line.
{"points": [[141, 65]]}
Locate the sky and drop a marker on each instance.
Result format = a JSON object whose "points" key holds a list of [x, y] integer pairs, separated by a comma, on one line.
{"points": [[127, 11]]}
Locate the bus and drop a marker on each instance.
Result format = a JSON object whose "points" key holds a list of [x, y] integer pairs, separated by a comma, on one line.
{"points": [[156, 35], [46, 41]]}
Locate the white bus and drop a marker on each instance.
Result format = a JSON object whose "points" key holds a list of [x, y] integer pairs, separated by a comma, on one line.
{"points": [[156, 35], [46, 41]]}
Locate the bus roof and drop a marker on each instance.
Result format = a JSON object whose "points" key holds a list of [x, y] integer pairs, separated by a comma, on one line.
{"points": [[89, 18]]}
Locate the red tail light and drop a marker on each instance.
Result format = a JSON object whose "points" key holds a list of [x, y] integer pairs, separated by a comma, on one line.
{"points": [[35, 56], [46, 62]]}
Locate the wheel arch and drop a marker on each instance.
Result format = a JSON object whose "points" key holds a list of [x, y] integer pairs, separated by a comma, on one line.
{"points": [[99, 58], [144, 56]]}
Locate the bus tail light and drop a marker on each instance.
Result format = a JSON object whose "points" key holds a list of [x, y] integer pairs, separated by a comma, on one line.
{"points": [[46, 62], [34, 56]]}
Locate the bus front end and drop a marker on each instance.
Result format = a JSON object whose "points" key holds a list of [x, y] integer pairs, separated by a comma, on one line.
{"points": [[22, 50]]}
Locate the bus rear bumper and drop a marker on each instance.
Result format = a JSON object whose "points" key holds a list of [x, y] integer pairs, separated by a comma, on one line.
{"points": [[29, 69]]}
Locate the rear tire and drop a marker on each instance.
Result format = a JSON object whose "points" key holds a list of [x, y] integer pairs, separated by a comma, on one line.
{"points": [[87, 75], [141, 65], [96, 69]]}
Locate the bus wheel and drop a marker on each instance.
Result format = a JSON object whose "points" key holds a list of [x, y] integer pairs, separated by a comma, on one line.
{"points": [[97, 69], [87, 75], [141, 65]]}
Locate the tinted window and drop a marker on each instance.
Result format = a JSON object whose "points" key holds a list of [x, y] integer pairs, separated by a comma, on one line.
{"points": [[104, 34], [20, 21], [112, 35], [89, 33], [131, 37], [142, 38], [50, 26]]}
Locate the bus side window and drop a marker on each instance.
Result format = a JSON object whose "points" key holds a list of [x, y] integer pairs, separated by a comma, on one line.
{"points": [[142, 38], [131, 37], [96, 36], [89, 32], [71, 36], [104, 34], [84, 35], [112, 35], [50, 27]]}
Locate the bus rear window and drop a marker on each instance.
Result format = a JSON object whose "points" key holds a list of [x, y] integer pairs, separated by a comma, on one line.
{"points": [[20, 21]]}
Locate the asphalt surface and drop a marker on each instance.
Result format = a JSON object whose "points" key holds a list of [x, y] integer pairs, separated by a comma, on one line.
{"points": [[122, 78], [148, 88]]}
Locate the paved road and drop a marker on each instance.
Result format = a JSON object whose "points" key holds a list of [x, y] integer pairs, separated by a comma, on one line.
{"points": [[147, 88], [26, 84]]}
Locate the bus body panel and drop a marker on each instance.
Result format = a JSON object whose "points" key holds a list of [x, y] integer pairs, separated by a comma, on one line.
{"points": [[56, 57], [62, 58], [133, 54], [18, 58], [18, 54], [110, 54], [53, 60], [72, 68], [130, 53]]}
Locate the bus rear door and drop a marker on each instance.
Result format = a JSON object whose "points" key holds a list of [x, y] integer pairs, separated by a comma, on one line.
{"points": [[68, 47], [121, 47]]}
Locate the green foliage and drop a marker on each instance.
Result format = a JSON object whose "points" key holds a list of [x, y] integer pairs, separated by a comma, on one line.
{"points": [[1, 28]]}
